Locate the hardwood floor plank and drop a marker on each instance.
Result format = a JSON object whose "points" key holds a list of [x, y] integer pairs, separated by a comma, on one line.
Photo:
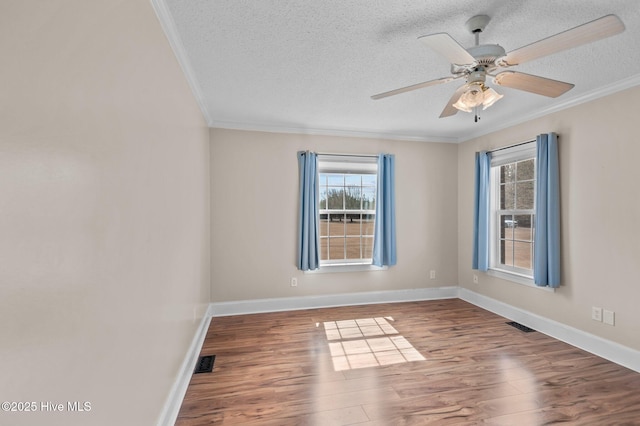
{"points": [[339, 417], [442, 362]]}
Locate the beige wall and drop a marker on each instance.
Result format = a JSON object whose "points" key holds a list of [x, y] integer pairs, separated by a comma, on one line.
{"points": [[254, 187], [600, 213], [104, 220]]}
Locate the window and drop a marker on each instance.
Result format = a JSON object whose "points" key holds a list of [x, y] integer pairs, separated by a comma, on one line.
{"points": [[346, 208], [516, 215], [512, 204]]}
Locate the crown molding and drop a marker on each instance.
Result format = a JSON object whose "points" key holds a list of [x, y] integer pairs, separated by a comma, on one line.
{"points": [[592, 95], [169, 26], [330, 132]]}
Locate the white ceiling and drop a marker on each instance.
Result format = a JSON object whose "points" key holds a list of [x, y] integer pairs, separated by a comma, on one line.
{"points": [[311, 66]]}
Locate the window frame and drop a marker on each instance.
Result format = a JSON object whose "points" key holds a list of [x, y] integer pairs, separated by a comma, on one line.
{"points": [[347, 165], [521, 152]]}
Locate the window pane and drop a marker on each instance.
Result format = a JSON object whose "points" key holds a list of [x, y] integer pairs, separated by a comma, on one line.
{"points": [[352, 198], [507, 196], [335, 180], [508, 173], [526, 169], [322, 204], [335, 198], [336, 225], [324, 225], [324, 253], [352, 224], [336, 248], [522, 229], [353, 180], [369, 180], [353, 247], [506, 252], [524, 191], [367, 224], [368, 198], [522, 255], [507, 224], [367, 247]]}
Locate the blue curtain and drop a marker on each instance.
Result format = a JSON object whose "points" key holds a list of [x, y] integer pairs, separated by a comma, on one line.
{"points": [[384, 243], [308, 226], [546, 259], [481, 212]]}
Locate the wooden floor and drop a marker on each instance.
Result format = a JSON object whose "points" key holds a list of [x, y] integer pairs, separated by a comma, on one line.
{"points": [[442, 362]]}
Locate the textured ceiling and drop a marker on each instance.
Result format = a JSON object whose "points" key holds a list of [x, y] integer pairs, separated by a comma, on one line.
{"points": [[311, 66]]}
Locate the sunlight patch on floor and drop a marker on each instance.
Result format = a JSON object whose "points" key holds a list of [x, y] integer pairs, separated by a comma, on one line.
{"points": [[367, 342]]}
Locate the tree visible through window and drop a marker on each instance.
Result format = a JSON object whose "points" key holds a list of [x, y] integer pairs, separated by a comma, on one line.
{"points": [[347, 216]]}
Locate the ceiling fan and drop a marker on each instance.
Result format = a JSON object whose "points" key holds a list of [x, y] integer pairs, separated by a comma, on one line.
{"points": [[476, 63]]}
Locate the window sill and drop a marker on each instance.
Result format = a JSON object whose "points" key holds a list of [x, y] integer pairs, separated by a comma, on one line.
{"points": [[517, 278], [346, 267]]}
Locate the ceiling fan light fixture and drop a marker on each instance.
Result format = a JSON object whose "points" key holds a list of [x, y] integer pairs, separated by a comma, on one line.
{"points": [[490, 97], [461, 106], [470, 98], [476, 94]]}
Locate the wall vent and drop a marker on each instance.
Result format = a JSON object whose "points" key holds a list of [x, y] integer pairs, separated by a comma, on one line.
{"points": [[205, 364], [520, 327]]}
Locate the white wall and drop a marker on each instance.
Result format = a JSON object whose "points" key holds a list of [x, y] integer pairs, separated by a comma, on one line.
{"points": [[254, 187], [104, 211], [600, 216]]}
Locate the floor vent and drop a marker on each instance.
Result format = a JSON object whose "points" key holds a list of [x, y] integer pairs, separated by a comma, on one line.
{"points": [[520, 327], [205, 364]]}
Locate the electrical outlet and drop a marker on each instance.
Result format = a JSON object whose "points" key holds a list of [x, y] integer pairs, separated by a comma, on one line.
{"points": [[475, 279], [432, 274], [596, 313], [608, 317], [294, 282]]}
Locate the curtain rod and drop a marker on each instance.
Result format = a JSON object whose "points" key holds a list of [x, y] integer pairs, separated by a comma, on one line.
{"points": [[347, 155], [512, 146]]}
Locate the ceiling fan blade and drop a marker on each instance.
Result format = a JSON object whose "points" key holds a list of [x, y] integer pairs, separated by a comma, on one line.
{"points": [[532, 83], [591, 31], [450, 110], [413, 87], [445, 45]]}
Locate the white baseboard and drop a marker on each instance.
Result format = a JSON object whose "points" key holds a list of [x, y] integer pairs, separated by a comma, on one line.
{"points": [[612, 351], [241, 307], [173, 403]]}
